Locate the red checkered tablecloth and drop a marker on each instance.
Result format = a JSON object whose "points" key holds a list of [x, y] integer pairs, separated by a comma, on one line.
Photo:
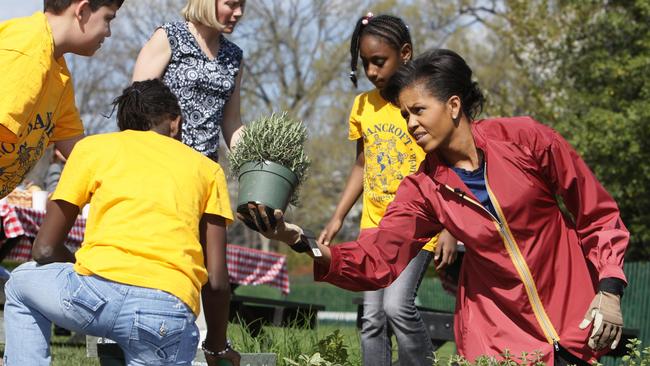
{"points": [[246, 266], [24, 223]]}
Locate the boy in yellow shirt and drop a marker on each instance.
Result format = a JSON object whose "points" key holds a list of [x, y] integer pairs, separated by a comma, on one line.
{"points": [[37, 105], [137, 277]]}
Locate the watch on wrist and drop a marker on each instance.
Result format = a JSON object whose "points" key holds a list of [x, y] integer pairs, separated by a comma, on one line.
{"points": [[307, 243], [302, 245]]}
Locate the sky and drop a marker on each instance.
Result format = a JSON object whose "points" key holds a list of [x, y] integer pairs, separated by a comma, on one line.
{"points": [[18, 8]]}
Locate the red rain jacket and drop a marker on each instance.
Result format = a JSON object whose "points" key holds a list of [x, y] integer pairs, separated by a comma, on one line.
{"points": [[528, 275]]}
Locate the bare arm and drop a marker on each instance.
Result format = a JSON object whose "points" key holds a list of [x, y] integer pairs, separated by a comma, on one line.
{"points": [[66, 146], [153, 58], [446, 250], [48, 246], [216, 292], [351, 192], [232, 126]]}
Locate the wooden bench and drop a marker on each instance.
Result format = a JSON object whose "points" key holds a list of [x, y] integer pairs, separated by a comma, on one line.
{"points": [[255, 312]]}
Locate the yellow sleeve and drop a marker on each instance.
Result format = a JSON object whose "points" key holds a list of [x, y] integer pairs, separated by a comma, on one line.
{"points": [[21, 82], [431, 245], [68, 122], [355, 132], [218, 202], [77, 183]]}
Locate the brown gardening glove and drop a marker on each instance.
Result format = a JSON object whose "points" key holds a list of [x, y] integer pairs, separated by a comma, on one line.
{"points": [[274, 228], [605, 312]]}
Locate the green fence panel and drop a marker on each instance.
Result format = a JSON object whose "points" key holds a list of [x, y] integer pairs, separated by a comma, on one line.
{"points": [[432, 295]]}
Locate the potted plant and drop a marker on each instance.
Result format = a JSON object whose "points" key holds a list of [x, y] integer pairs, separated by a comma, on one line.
{"points": [[270, 163]]}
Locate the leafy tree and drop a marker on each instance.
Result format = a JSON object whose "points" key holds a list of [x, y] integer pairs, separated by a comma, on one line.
{"points": [[583, 66], [605, 108]]}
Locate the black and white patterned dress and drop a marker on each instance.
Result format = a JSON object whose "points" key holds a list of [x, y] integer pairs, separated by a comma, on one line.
{"points": [[202, 85]]}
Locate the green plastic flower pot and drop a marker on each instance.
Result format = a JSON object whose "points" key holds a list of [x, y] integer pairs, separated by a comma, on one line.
{"points": [[266, 183]]}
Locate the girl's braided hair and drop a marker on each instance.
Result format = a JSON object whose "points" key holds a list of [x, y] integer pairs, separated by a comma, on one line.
{"points": [[391, 29], [145, 104]]}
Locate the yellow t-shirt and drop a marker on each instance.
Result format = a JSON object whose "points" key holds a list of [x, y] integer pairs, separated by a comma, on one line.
{"points": [[390, 153], [36, 97], [147, 193]]}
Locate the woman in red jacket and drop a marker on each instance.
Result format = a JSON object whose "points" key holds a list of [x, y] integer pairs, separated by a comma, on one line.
{"points": [[532, 278]]}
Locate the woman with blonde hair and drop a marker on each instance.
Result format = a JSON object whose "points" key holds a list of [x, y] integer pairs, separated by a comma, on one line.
{"points": [[202, 68]]}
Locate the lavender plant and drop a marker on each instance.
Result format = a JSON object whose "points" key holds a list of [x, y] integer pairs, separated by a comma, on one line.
{"points": [[277, 138]]}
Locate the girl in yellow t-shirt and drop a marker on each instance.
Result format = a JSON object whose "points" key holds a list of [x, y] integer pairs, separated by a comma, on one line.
{"points": [[386, 153], [137, 277]]}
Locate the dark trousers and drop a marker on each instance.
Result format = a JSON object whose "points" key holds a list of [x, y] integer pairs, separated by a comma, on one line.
{"points": [[565, 358]]}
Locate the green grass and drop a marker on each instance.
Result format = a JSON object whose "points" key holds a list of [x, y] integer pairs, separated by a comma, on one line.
{"points": [[66, 354], [70, 355], [286, 342], [10, 265], [292, 342]]}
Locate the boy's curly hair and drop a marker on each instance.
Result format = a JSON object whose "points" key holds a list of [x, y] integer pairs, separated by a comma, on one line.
{"points": [[58, 6]]}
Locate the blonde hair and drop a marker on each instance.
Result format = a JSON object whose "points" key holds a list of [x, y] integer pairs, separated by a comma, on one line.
{"points": [[204, 12]]}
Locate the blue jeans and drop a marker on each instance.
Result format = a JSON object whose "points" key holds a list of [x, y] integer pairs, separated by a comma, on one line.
{"points": [[151, 326], [392, 309]]}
